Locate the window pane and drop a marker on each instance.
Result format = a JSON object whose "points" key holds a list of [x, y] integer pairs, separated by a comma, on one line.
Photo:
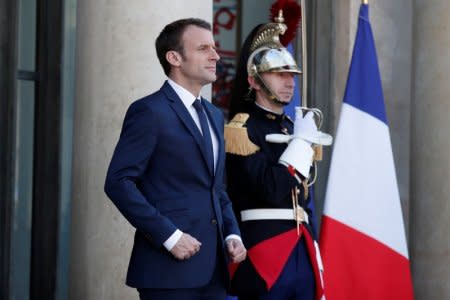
{"points": [[23, 191], [26, 58]]}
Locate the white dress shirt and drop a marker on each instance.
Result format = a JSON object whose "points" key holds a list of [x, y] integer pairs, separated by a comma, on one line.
{"points": [[188, 100]]}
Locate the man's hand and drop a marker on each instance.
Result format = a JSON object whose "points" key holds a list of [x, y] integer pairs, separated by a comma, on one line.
{"points": [[236, 250], [186, 247]]}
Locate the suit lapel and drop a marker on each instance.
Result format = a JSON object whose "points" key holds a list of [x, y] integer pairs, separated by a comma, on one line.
{"points": [[185, 117]]}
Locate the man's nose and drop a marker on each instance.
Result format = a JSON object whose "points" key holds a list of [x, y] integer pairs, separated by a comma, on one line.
{"points": [[215, 55], [290, 80]]}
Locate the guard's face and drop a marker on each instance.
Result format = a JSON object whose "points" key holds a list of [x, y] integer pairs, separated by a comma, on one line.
{"points": [[199, 57], [281, 83]]}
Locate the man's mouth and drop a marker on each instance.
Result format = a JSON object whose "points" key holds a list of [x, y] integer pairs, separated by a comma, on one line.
{"points": [[286, 94]]}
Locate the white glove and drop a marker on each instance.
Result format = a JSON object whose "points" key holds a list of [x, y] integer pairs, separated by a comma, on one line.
{"points": [[299, 152], [304, 128]]}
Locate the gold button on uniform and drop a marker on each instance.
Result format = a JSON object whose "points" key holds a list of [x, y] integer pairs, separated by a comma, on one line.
{"points": [[214, 221]]}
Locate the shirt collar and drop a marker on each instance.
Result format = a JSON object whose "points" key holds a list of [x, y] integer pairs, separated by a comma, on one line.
{"points": [[266, 113], [186, 97], [268, 110]]}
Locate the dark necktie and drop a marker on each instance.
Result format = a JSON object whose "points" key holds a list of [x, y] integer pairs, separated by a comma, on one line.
{"points": [[206, 134]]}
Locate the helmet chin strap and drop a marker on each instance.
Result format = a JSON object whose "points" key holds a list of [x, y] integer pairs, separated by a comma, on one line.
{"points": [[266, 89]]}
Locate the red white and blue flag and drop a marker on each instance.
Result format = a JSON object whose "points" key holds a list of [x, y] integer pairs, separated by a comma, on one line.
{"points": [[362, 239]]}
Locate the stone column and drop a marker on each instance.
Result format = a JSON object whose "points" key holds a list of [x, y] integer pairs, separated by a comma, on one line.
{"points": [[116, 64], [430, 148]]}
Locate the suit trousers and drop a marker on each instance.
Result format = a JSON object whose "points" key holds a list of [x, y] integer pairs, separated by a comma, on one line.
{"points": [[214, 290]]}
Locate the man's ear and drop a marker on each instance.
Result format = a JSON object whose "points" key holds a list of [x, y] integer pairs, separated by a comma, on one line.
{"points": [[174, 58], [252, 82]]}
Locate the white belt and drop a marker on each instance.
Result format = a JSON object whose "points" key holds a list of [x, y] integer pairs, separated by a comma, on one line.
{"points": [[274, 214]]}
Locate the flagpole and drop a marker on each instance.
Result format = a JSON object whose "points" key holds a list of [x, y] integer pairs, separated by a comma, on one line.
{"points": [[304, 58]]}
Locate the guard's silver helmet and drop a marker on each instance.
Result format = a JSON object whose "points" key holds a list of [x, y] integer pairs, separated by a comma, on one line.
{"points": [[269, 55], [267, 59], [267, 52]]}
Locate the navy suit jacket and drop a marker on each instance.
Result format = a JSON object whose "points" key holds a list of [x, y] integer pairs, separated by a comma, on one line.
{"points": [[159, 180]]}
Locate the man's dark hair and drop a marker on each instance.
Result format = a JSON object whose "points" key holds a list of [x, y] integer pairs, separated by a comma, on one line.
{"points": [[170, 39]]}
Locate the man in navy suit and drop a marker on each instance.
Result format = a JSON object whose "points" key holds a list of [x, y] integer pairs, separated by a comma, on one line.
{"points": [[166, 176]]}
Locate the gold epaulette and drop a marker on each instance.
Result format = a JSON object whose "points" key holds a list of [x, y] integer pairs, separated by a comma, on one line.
{"points": [[236, 137]]}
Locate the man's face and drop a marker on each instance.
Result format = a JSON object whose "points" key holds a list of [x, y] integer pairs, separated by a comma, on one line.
{"points": [[199, 56], [282, 84]]}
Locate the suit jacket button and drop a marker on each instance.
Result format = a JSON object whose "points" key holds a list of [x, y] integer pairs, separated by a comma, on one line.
{"points": [[214, 221]]}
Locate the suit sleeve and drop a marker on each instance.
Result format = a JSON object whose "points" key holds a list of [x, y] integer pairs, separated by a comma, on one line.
{"points": [[230, 224], [133, 151], [229, 219]]}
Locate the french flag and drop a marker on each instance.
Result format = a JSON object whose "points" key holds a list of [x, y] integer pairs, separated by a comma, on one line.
{"points": [[362, 237]]}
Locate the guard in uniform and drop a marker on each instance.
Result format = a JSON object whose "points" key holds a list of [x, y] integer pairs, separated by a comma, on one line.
{"points": [[269, 160]]}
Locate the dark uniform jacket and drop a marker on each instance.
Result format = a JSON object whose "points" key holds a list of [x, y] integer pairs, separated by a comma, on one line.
{"points": [[258, 181]]}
